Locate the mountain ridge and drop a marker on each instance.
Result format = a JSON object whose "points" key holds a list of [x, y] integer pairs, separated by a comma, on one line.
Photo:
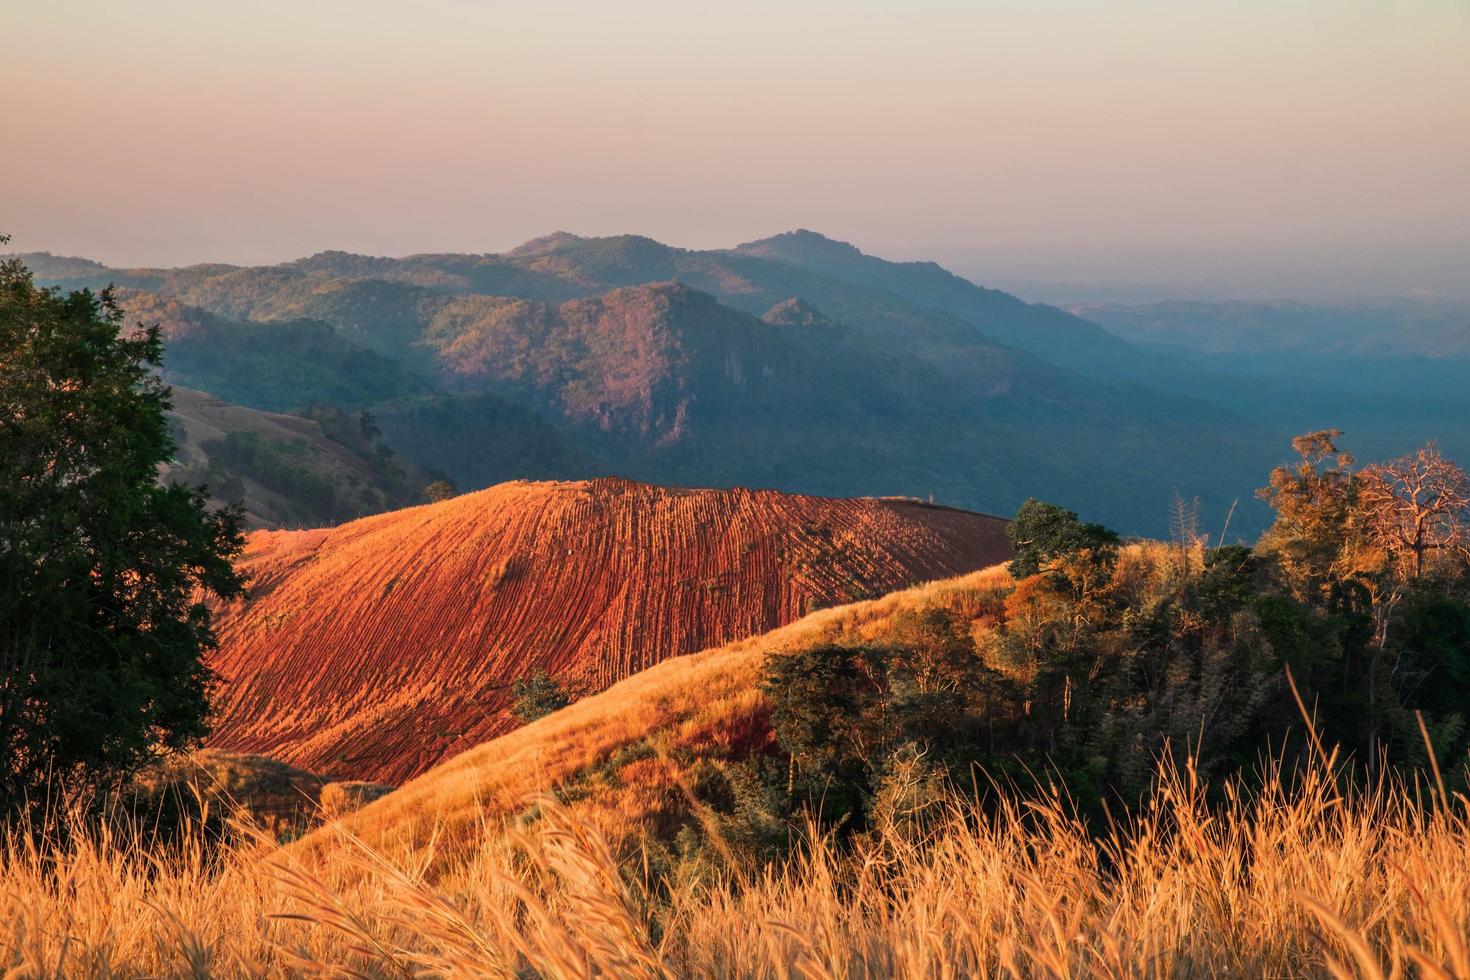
{"points": [[881, 393]]}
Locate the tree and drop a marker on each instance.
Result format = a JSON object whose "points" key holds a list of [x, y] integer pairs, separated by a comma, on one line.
{"points": [[102, 631], [439, 490], [1313, 500], [1040, 533], [1415, 507], [821, 702], [536, 696], [367, 425]]}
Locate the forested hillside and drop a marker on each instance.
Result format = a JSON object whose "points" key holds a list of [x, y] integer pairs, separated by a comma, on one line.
{"points": [[626, 356], [795, 362], [286, 470]]}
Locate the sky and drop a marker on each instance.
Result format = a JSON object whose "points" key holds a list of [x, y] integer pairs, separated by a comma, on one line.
{"points": [[1191, 147]]}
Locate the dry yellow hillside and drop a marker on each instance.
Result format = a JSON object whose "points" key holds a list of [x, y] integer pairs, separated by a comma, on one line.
{"points": [[705, 704]]}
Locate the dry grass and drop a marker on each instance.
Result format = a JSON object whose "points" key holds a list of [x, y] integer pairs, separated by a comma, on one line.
{"points": [[1276, 883], [447, 877], [706, 705]]}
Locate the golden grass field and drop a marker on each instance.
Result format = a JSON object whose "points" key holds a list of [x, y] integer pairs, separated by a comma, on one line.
{"points": [[447, 877]]}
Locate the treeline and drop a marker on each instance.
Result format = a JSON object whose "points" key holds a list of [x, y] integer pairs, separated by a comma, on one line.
{"points": [[1100, 658]]}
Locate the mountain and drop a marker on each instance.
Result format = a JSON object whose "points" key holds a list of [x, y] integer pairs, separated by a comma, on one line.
{"points": [[797, 363], [1393, 374], [669, 384], [375, 649], [1392, 329], [1053, 334], [911, 306], [278, 366], [285, 470]]}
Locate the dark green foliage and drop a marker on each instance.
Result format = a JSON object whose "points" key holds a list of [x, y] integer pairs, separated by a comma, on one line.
{"points": [[101, 633], [359, 432], [817, 697], [479, 440], [1100, 665], [284, 366], [279, 465], [1041, 532], [278, 365], [1233, 576], [1436, 630], [438, 491], [823, 709], [536, 696], [849, 717]]}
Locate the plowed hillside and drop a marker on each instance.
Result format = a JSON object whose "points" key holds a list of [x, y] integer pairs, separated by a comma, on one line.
{"points": [[634, 746], [375, 649]]}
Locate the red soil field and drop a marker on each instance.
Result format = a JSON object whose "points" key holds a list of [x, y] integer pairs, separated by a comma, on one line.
{"points": [[375, 649]]}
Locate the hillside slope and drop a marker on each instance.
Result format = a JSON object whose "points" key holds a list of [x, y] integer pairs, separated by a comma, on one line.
{"points": [[376, 649], [285, 470], [640, 737]]}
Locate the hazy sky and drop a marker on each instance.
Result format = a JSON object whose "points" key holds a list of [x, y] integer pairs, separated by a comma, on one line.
{"points": [[1266, 146]]}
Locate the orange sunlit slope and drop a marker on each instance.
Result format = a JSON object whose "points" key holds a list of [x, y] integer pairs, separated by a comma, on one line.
{"points": [[375, 649]]}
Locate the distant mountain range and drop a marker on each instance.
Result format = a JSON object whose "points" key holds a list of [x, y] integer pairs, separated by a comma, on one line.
{"points": [[1403, 329], [795, 362]]}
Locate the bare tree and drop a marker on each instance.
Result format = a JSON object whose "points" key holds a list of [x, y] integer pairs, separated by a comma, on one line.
{"points": [[1415, 507], [1405, 511]]}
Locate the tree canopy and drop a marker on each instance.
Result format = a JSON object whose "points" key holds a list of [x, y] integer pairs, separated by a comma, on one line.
{"points": [[1099, 659], [102, 569], [1042, 532]]}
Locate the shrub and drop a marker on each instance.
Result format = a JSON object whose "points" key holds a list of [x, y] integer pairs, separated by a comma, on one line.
{"points": [[536, 696], [1040, 533]]}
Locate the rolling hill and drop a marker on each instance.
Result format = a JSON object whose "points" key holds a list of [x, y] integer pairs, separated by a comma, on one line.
{"points": [[638, 740], [284, 470], [376, 649]]}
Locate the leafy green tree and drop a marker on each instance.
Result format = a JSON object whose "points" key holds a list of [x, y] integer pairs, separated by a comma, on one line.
{"points": [[828, 711], [536, 696], [102, 631], [1040, 533], [1310, 538]]}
